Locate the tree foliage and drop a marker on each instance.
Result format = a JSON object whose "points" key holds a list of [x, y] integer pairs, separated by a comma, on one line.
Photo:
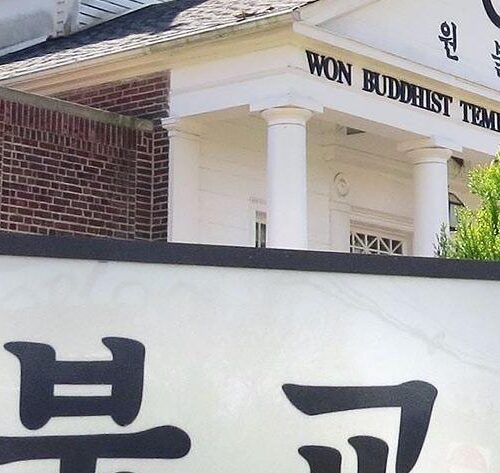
{"points": [[478, 230]]}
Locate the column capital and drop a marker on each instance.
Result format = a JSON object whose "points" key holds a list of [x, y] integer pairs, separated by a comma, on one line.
{"points": [[430, 155], [287, 116], [429, 150], [287, 99], [434, 142]]}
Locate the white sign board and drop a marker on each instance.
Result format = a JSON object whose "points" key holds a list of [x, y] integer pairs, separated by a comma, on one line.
{"points": [[247, 367]]}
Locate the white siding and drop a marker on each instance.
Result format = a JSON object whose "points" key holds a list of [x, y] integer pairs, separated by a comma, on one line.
{"points": [[97, 11]]}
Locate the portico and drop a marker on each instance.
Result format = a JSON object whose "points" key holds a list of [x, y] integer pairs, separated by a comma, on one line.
{"points": [[342, 147], [318, 182]]}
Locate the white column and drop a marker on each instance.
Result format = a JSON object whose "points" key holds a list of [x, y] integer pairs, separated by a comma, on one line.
{"points": [[287, 177], [430, 177], [184, 182]]}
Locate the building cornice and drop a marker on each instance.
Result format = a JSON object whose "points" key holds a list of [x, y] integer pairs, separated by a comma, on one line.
{"points": [[75, 110]]}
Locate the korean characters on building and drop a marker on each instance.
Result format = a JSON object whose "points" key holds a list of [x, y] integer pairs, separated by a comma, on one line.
{"points": [[40, 372], [449, 36]]}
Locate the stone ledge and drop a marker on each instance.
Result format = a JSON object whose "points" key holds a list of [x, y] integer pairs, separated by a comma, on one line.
{"points": [[82, 111]]}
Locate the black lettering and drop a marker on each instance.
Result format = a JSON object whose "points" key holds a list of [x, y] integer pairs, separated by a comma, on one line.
{"points": [[393, 88], [345, 73], [40, 372], [493, 15], [407, 92], [476, 115], [480, 116], [416, 400], [370, 81], [436, 105], [447, 101], [331, 68], [419, 97], [465, 110], [428, 99], [490, 119], [79, 454], [316, 63], [386, 86], [334, 70]]}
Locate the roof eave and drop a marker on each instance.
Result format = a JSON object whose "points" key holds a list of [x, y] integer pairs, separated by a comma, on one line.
{"points": [[209, 34]]}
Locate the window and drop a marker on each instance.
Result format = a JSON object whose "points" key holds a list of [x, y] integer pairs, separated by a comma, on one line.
{"points": [[260, 229], [455, 204], [371, 244]]}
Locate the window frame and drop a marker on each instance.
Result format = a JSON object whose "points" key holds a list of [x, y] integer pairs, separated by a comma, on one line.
{"points": [[382, 234]]}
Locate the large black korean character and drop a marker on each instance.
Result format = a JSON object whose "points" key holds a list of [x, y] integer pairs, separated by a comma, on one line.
{"points": [[416, 400], [40, 373], [492, 12], [496, 57], [448, 37], [79, 453]]}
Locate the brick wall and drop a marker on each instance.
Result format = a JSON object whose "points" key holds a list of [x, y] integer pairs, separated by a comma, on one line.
{"points": [[67, 169], [144, 97]]}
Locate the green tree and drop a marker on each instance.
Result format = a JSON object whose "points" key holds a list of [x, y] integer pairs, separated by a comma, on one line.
{"points": [[478, 230]]}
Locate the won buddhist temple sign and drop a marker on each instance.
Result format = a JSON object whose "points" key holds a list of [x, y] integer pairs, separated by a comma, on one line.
{"points": [[402, 91]]}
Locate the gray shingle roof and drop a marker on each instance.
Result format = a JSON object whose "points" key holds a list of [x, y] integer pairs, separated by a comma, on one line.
{"points": [[152, 24]]}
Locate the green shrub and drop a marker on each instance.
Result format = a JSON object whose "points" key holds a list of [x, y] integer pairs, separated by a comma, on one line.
{"points": [[478, 230]]}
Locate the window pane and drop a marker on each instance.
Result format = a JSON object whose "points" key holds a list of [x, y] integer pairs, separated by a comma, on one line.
{"points": [[363, 243], [260, 229]]}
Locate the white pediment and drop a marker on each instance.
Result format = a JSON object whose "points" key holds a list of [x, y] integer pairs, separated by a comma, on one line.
{"points": [[411, 29]]}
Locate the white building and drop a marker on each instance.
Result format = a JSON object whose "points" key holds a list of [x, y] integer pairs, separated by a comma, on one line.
{"points": [[343, 125]]}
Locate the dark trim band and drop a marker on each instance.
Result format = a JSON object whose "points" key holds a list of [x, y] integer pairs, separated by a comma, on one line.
{"points": [[239, 257]]}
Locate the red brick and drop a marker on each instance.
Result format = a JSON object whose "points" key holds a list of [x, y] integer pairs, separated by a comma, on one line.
{"points": [[63, 174]]}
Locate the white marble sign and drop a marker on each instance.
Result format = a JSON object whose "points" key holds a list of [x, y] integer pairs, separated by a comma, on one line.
{"points": [[230, 357]]}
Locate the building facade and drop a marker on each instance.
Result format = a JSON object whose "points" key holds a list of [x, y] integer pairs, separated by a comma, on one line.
{"points": [[335, 125]]}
